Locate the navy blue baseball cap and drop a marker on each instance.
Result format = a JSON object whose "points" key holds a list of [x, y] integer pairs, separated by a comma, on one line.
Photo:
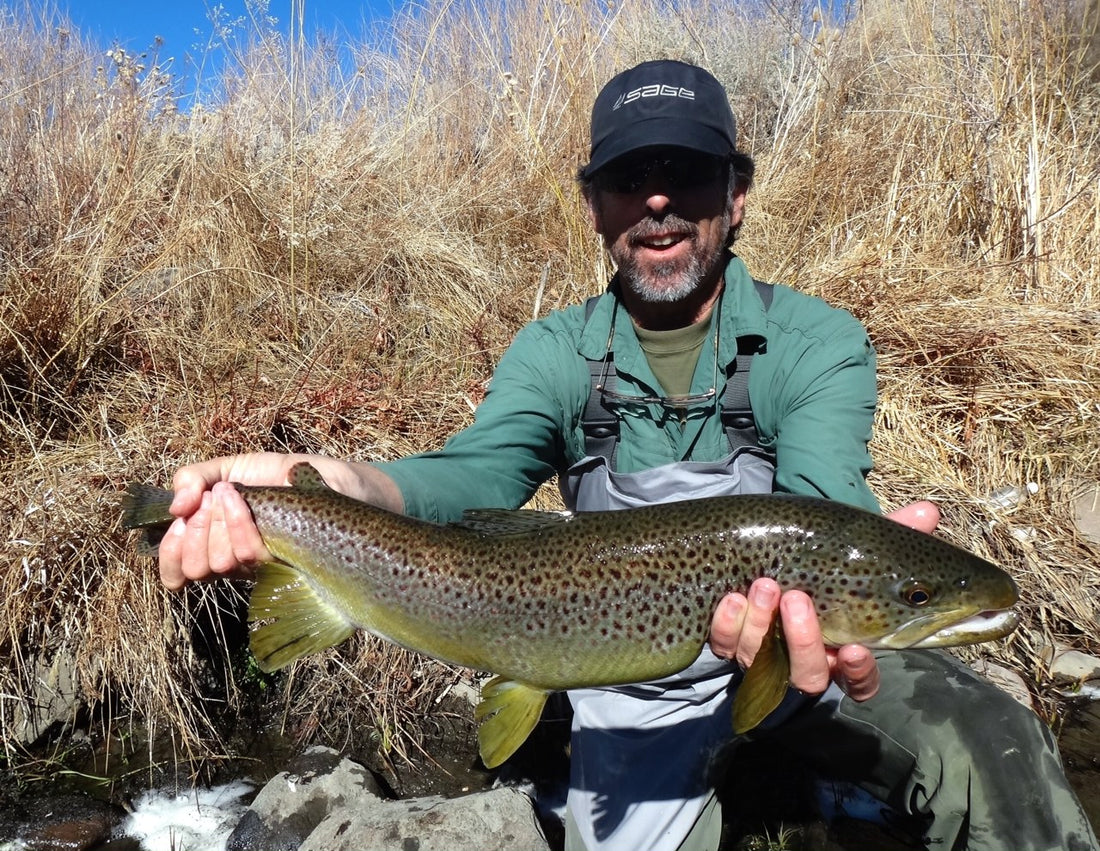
{"points": [[663, 102]]}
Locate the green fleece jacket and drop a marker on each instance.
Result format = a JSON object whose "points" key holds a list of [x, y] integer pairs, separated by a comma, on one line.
{"points": [[812, 389]]}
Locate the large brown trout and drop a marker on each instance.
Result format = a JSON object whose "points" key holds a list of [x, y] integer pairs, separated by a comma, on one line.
{"points": [[550, 601]]}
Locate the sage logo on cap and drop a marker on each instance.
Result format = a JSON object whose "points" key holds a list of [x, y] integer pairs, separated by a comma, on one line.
{"points": [[665, 103], [656, 90]]}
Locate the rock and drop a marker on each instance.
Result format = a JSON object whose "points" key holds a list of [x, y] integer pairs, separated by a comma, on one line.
{"points": [[1072, 666], [295, 801], [328, 803], [1005, 679], [56, 697], [1086, 511], [63, 823], [498, 820]]}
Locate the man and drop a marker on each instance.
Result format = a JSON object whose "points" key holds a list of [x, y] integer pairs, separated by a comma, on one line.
{"points": [[665, 187]]}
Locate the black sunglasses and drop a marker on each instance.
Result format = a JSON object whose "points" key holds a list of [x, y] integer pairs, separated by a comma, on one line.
{"points": [[680, 171]]}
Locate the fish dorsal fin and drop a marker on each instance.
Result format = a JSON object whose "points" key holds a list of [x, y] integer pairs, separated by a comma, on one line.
{"points": [[289, 619], [507, 714], [765, 683], [304, 476], [499, 521]]}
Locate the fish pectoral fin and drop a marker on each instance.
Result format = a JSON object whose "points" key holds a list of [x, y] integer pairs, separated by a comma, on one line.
{"points": [[507, 714], [289, 619], [765, 682]]}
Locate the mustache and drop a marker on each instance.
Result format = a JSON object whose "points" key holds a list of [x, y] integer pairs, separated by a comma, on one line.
{"points": [[650, 227]]}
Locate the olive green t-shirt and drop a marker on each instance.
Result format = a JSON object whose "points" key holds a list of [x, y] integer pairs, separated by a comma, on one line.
{"points": [[672, 355]]}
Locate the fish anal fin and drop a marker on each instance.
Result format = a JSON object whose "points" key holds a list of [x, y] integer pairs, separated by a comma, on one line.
{"points": [[765, 683], [289, 619], [507, 714]]}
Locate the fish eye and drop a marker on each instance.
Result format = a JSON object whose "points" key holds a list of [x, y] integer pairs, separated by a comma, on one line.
{"points": [[916, 595]]}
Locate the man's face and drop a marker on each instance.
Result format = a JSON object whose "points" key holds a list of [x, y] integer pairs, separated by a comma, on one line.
{"points": [[665, 215]]}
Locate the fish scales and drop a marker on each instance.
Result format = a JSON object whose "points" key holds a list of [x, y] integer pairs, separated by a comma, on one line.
{"points": [[551, 602], [598, 599], [475, 600]]}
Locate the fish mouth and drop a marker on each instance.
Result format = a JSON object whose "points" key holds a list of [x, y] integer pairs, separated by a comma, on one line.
{"points": [[978, 627]]}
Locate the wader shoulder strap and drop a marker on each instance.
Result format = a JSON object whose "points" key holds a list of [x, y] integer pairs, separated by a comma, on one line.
{"points": [[599, 423], [737, 419], [601, 426]]}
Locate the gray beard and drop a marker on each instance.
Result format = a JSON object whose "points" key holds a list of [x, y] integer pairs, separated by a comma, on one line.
{"points": [[667, 283]]}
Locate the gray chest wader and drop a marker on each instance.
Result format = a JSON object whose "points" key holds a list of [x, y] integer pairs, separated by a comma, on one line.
{"points": [[638, 771]]}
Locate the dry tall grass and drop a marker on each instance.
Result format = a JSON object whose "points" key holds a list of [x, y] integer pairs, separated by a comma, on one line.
{"points": [[331, 259]]}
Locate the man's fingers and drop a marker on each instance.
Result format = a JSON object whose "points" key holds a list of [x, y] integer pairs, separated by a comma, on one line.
{"points": [[923, 516], [171, 556], [195, 561], [763, 601], [244, 540], [809, 664], [726, 625], [190, 483], [856, 671]]}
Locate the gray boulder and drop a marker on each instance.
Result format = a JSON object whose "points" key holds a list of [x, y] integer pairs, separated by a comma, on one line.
{"points": [[501, 819], [328, 803]]}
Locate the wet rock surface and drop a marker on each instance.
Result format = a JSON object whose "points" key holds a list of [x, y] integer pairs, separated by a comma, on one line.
{"points": [[59, 823], [325, 802]]}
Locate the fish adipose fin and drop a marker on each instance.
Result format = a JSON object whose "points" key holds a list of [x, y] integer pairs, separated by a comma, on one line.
{"points": [[765, 683], [304, 477], [507, 714], [289, 618]]}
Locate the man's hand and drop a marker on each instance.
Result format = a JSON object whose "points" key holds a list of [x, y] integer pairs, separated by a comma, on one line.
{"points": [[214, 534], [741, 621]]}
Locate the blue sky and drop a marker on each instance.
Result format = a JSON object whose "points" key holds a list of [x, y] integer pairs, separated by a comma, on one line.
{"points": [[186, 25]]}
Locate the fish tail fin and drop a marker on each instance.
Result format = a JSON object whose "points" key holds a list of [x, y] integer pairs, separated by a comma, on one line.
{"points": [[765, 682], [507, 713], [145, 507], [289, 618]]}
